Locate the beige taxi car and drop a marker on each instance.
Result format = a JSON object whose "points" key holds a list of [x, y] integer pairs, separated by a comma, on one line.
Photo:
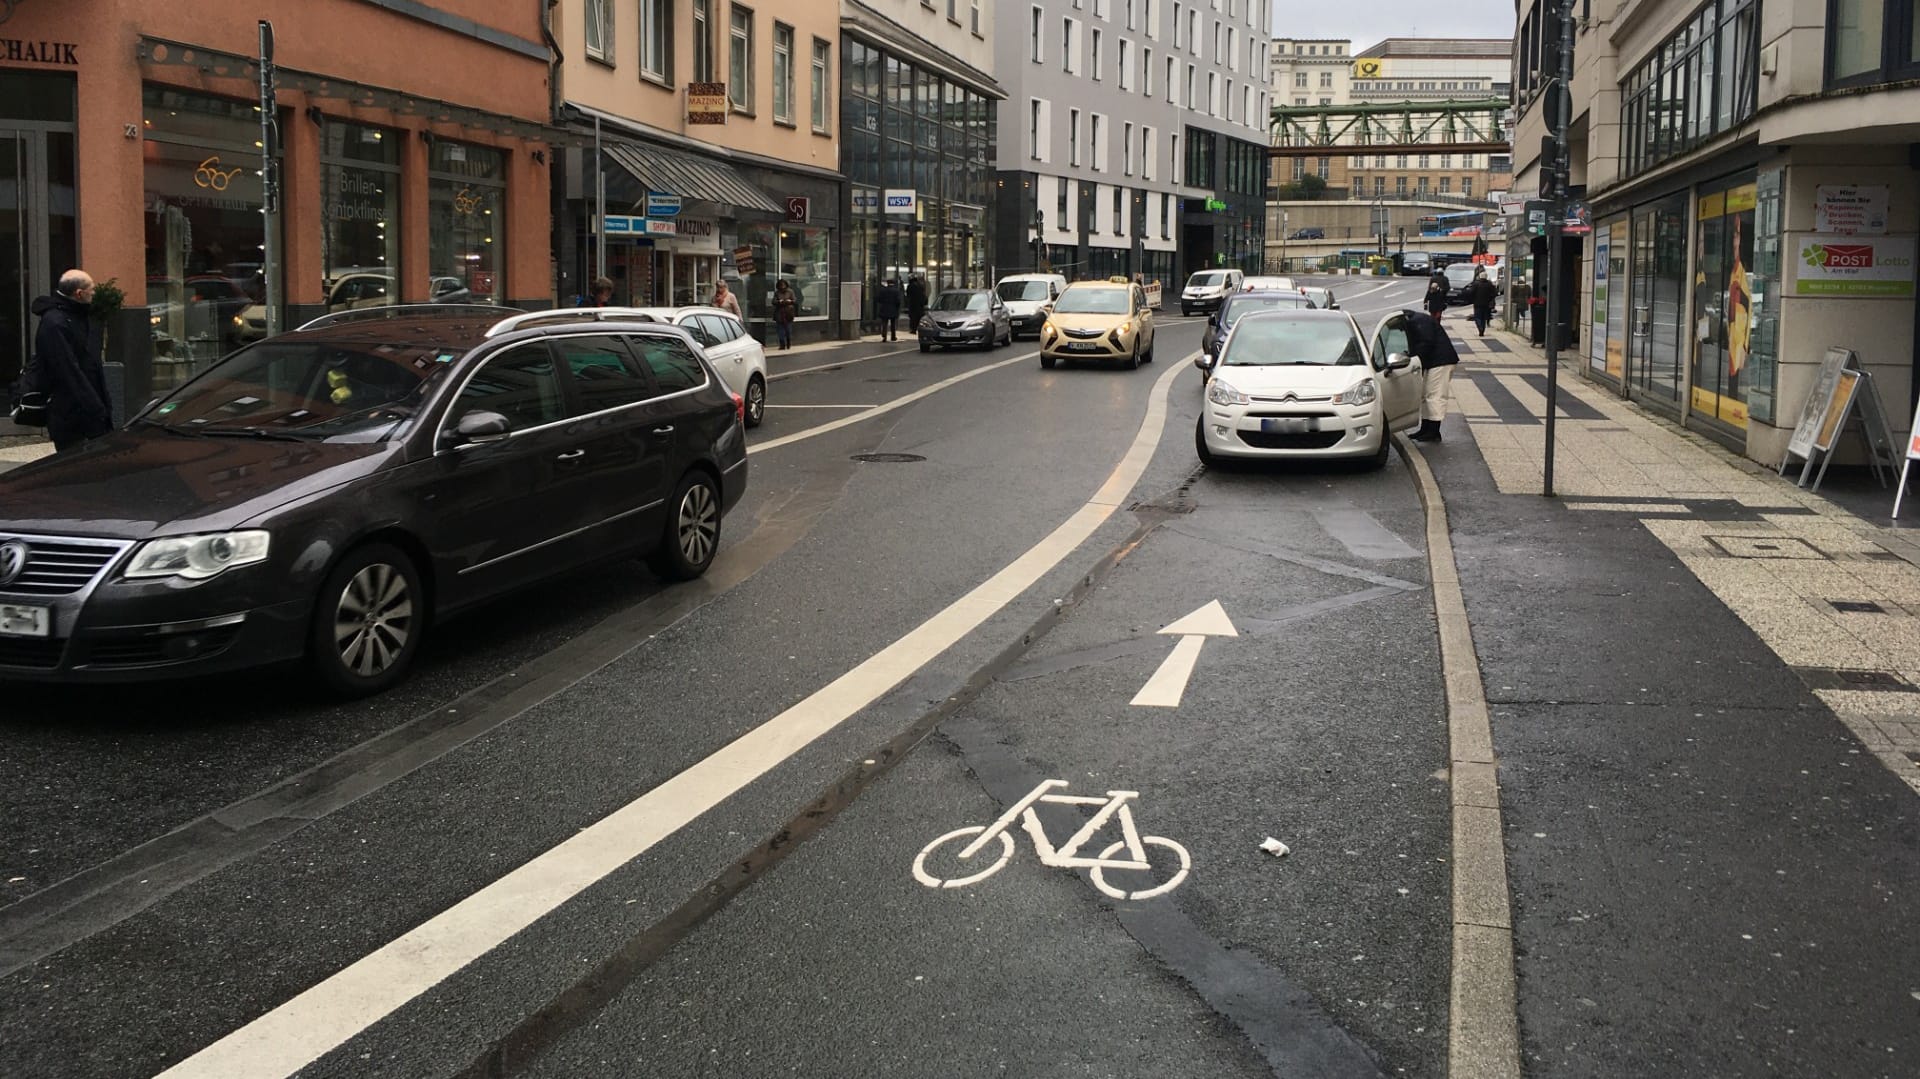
{"points": [[1104, 321]]}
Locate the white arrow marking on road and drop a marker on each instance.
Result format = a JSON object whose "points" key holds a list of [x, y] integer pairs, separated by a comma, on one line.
{"points": [[1169, 683]]}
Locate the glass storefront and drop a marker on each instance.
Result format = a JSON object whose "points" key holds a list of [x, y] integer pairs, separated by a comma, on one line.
{"points": [[39, 213], [1763, 360], [360, 215], [907, 128], [205, 231], [1657, 285], [1723, 301], [466, 227]]}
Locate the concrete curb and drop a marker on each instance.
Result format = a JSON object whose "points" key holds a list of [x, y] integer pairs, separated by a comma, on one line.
{"points": [[1484, 1034]]}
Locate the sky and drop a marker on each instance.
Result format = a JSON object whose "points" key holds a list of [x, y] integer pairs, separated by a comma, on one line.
{"points": [[1367, 21]]}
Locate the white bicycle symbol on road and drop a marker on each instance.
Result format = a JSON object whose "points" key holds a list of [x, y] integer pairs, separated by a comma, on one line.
{"points": [[1132, 845]]}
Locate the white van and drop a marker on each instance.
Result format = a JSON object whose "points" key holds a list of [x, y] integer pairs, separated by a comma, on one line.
{"points": [[1029, 297], [1207, 288]]}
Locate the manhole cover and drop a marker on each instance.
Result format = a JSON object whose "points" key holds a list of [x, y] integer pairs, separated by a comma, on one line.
{"points": [[888, 458]]}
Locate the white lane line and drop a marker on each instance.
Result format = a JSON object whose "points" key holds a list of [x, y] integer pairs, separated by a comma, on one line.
{"points": [[877, 410], [1369, 292], [819, 406], [837, 363], [322, 1018]]}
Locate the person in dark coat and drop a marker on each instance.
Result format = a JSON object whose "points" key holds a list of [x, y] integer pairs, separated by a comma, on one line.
{"points": [[78, 406], [886, 308], [785, 306], [1482, 295], [1436, 298], [1427, 339], [916, 302]]}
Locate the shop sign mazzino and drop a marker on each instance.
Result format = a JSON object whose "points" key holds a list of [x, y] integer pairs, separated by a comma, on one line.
{"points": [[1852, 266], [706, 103]]}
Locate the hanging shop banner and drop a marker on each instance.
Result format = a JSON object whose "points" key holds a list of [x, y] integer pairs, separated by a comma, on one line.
{"points": [[743, 261], [706, 103], [1850, 209], [1851, 266]]}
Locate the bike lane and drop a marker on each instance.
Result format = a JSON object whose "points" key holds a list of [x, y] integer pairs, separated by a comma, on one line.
{"points": [[1319, 722]]}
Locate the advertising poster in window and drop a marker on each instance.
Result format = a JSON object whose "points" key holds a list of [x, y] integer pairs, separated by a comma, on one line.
{"points": [[1597, 317], [1616, 337], [1723, 304]]}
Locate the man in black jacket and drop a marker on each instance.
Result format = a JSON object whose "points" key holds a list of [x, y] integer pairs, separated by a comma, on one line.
{"points": [[78, 406], [1429, 341], [916, 302]]}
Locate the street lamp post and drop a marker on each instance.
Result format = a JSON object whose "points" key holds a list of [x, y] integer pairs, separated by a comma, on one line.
{"points": [[1283, 242]]}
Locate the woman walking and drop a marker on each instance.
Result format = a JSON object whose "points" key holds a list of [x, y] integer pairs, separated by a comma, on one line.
{"points": [[1436, 299], [785, 306], [725, 300]]}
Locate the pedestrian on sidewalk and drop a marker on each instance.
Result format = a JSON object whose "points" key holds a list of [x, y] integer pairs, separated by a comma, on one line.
{"points": [[725, 300], [73, 379], [886, 308], [916, 302], [785, 306], [1436, 298], [1482, 295], [1427, 339]]}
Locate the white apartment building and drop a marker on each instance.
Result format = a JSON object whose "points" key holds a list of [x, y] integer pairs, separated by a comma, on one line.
{"points": [[1310, 71]]}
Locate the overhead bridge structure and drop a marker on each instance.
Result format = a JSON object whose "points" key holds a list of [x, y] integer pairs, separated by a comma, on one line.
{"points": [[1467, 127]]}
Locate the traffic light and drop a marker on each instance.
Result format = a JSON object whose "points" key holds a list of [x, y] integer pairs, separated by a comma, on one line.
{"points": [[1551, 184]]}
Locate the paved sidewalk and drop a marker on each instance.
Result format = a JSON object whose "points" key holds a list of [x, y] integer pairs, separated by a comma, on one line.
{"points": [[1834, 596]]}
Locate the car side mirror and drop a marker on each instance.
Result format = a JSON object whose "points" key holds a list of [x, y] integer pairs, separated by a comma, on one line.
{"points": [[1398, 361], [479, 427]]}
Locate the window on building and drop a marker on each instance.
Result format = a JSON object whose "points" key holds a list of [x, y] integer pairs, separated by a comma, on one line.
{"points": [[1701, 82], [1326, 168], [783, 72], [1097, 130], [360, 184], [1166, 217], [1035, 123], [1060, 206], [1213, 93], [1326, 80], [822, 87], [1126, 150], [1094, 60], [1424, 160], [1466, 186], [656, 39], [1299, 101], [1300, 80], [1173, 157], [1446, 161], [1379, 185], [1326, 101], [1119, 222], [466, 222], [740, 59], [973, 17], [1179, 28], [1147, 148], [1073, 137], [1146, 72], [1126, 64], [599, 15], [1299, 169], [1872, 41], [1173, 68], [1037, 49], [703, 65], [1069, 40], [1446, 185]]}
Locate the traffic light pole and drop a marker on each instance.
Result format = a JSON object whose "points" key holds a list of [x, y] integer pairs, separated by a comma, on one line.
{"points": [[1559, 105]]}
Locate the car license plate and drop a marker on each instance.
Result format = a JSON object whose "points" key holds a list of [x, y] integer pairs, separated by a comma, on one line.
{"points": [[1288, 427], [1082, 346], [947, 335], [16, 621]]}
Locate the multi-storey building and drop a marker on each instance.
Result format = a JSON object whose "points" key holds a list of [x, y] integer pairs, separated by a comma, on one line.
{"points": [[1310, 71], [1133, 136], [1432, 69], [410, 155], [1748, 171], [917, 115], [708, 131]]}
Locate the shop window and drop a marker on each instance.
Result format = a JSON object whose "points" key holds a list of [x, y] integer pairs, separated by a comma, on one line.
{"points": [[205, 232], [360, 214], [1723, 303], [466, 223]]}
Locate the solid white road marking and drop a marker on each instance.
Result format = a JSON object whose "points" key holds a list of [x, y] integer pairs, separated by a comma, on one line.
{"points": [[819, 406], [877, 410], [838, 363], [1169, 684], [323, 1017]]}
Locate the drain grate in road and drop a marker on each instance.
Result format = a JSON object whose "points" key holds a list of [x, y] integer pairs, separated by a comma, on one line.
{"points": [[888, 458], [1857, 606], [1766, 547]]}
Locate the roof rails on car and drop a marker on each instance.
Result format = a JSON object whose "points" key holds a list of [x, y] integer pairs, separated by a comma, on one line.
{"points": [[572, 314], [401, 310]]}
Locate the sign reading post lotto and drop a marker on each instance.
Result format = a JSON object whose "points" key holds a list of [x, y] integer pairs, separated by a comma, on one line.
{"points": [[1852, 266], [706, 103]]}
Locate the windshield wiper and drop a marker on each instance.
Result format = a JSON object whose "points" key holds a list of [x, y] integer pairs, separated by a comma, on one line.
{"points": [[253, 432]]}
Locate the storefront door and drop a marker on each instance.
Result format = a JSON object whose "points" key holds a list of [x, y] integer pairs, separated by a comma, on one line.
{"points": [[37, 231], [1659, 264]]}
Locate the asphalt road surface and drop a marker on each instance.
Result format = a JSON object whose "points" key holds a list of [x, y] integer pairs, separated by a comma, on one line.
{"points": [[612, 828]]}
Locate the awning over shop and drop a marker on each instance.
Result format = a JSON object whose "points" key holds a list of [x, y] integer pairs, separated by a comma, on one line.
{"points": [[656, 168]]}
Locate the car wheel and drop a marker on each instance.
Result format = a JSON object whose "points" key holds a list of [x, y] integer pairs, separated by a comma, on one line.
{"points": [[1147, 356], [691, 535], [924, 347], [1384, 453], [367, 621], [1133, 359], [756, 401], [1200, 444], [1046, 362], [1186, 312]]}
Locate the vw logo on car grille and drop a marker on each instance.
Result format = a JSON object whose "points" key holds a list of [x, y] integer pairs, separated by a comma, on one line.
{"points": [[13, 560]]}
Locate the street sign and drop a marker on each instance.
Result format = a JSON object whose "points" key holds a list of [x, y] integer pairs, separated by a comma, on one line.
{"points": [[662, 204], [1169, 683]]}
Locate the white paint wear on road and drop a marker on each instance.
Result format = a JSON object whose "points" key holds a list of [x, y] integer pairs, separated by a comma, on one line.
{"points": [[883, 409], [325, 1016], [1169, 684], [838, 363]]}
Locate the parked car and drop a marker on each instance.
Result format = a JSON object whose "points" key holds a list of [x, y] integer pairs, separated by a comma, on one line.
{"points": [[965, 316], [1243, 303], [1256, 284], [1029, 296], [330, 494], [740, 360], [1099, 320], [1322, 298], [1310, 233], [1206, 288], [1308, 384], [1415, 264]]}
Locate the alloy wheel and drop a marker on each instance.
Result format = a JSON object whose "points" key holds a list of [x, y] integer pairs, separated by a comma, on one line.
{"points": [[698, 527], [373, 620], [756, 402]]}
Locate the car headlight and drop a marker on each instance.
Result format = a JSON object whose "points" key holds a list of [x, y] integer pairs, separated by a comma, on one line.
{"points": [[1220, 393], [1126, 328], [1362, 392], [1046, 328], [198, 557], [926, 322]]}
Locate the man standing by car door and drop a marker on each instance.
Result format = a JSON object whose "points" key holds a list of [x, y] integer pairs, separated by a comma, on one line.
{"points": [[1429, 341], [79, 408]]}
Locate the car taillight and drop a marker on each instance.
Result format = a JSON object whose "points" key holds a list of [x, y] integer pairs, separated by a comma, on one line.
{"points": [[739, 408]]}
